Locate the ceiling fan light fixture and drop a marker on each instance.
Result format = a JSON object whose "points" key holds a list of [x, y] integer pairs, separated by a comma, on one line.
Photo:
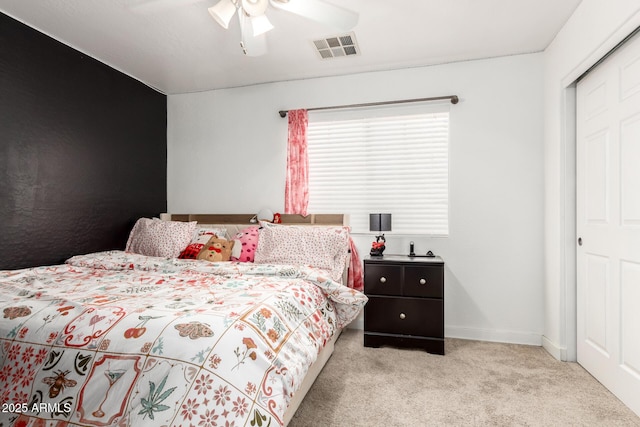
{"points": [[254, 8], [254, 22], [222, 12], [260, 25]]}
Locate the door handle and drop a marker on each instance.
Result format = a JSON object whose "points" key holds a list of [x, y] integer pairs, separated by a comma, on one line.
{"points": [[579, 241]]}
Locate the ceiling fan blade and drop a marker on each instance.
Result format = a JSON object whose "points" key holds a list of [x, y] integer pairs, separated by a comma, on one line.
{"points": [[319, 11]]}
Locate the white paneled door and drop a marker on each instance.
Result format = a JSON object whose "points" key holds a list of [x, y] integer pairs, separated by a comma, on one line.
{"points": [[608, 223]]}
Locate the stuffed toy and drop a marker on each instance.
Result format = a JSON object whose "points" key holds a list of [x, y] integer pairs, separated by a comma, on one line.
{"points": [[216, 249], [378, 247], [198, 241]]}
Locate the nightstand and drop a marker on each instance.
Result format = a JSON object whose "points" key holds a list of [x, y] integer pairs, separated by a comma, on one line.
{"points": [[406, 302]]}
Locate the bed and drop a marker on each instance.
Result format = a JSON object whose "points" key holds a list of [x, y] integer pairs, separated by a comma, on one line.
{"points": [[132, 338]]}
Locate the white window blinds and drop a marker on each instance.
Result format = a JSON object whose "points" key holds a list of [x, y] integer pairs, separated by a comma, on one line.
{"points": [[392, 159]]}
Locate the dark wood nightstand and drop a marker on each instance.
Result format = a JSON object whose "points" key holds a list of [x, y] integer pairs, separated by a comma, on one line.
{"points": [[406, 302]]}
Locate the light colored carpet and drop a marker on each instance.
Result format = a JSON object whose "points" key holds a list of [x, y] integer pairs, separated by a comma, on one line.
{"points": [[475, 384]]}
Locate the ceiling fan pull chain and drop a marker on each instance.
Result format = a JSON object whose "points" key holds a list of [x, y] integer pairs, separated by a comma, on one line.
{"points": [[243, 44]]}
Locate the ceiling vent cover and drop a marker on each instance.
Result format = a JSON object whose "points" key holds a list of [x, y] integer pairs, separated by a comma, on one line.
{"points": [[337, 46]]}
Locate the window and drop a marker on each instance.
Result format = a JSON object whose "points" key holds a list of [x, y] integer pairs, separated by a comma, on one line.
{"points": [[392, 159]]}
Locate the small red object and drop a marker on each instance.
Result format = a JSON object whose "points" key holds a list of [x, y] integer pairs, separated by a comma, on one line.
{"points": [[277, 219]]}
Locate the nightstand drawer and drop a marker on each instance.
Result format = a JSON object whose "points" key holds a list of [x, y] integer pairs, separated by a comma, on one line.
{"points": [[405, 316], [423, 282], [383, 279]]}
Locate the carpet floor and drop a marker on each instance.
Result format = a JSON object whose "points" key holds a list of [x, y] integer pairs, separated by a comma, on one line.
{"points": [[475, 384]]}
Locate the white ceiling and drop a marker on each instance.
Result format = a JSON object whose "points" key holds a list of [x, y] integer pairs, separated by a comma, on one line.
{"points": [[176, 47]]}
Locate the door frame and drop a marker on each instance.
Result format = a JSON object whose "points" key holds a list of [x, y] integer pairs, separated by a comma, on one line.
{"points": [[568, 141]]}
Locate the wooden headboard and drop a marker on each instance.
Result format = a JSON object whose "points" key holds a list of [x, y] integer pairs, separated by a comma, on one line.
{"points": [[235, 223], [245, 219]]}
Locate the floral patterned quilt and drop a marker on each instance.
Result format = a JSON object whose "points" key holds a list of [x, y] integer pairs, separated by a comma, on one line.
{"points": [[119, 339]]}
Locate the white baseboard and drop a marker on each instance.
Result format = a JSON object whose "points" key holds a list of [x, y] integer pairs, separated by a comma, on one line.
{"points": [[511, 337], [554, 349]]}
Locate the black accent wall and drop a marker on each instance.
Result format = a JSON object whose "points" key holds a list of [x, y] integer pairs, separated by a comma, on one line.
{"points": [[83, 151]]}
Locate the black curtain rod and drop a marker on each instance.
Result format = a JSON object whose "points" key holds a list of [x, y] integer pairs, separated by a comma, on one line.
{"points": [[454, 100]]}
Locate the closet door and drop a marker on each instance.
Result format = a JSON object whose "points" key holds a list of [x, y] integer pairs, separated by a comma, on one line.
{"points": [[608, 223]]}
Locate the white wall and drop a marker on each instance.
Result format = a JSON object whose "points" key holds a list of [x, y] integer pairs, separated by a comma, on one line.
{"points": [[594, 29], [227, 153]]}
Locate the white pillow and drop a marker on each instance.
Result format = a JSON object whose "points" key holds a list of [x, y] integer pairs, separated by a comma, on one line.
{"points": [[153, 237], [321, 247]]}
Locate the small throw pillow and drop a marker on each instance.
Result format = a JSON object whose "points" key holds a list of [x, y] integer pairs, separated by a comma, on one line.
{"points": [[248, 241]]}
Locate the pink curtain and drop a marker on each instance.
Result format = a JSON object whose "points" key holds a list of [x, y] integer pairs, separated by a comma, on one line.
{"points": [[296, 192], [355, 278]]}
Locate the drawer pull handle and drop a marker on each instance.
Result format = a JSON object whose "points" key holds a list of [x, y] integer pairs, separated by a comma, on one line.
{"points": [[403, 316], [423, 281], [383, 279]]}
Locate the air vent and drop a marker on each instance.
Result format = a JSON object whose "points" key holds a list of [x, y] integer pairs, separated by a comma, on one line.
{"points": [[337, 46]]}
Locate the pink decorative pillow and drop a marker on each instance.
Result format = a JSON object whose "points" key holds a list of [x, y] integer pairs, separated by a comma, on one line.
{"points": [[248, 239], [153, 237], [321, 247]]}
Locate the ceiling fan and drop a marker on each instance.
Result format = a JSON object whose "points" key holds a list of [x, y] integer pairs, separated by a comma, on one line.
{"points": [[254, 22]]}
